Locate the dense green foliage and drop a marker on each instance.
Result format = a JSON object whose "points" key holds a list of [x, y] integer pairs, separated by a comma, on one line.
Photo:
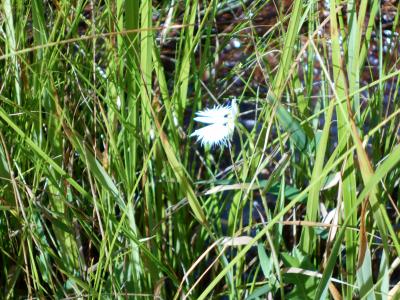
{"points": [[103, 194]]}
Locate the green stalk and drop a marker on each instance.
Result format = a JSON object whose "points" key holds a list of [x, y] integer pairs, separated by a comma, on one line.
{"points": [[12, 47], [348, 181]]}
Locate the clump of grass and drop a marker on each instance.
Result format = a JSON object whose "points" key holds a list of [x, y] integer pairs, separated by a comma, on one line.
{"points": [[103, 194]]}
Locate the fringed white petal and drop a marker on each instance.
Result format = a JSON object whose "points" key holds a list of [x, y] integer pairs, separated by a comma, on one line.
{"points": [[208, 120], [213, 135], [216, 112], [222, 125]]}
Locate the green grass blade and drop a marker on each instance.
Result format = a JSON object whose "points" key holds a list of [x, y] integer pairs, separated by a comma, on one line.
{"points": [[349, 181], [12, 47], [47, 159], [307, 242]]}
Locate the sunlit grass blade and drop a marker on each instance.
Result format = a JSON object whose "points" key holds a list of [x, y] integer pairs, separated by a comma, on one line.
{"points": [[307, 243], [285, 118], [42, 154], [349, 180], [12, 47]]}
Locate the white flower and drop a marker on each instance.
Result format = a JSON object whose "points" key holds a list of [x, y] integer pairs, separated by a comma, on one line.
{"points": [[222, 125]]}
